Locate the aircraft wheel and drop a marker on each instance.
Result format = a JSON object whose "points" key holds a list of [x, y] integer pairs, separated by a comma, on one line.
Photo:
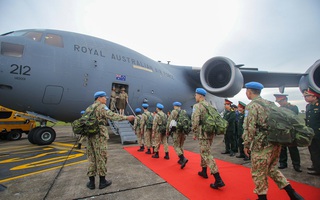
{"points": [[14, 135], [31, 133], [44, 136]]}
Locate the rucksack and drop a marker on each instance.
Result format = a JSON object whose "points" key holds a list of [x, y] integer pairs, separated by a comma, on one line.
{"points": [[149, 121], [87, 124], [162, 126], [212, 122], [284, 127], [183, 122]]}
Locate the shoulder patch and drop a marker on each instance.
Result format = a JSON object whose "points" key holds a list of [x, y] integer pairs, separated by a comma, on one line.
{"points": [[246, 112]]}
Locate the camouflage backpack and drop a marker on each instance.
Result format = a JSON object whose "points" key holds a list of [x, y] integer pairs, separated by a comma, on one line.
{"points": [[87, 124], [212, 122], [183, 122], [149, 121], [285, 127], [162, 125]]}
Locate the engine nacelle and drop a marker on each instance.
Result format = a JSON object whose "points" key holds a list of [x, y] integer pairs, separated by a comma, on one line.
{"points": [[221, 77], [312, 78]]}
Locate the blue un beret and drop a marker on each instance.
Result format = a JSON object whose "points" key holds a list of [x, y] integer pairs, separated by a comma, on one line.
{"points": [[201, 91], [176, 103], [254, 85], [160, 106], [82, 112], [145, 105], [99, 94], [137, 110]]}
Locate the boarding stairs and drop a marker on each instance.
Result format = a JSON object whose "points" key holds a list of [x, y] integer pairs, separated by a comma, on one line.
{"points": [[125, 130]]}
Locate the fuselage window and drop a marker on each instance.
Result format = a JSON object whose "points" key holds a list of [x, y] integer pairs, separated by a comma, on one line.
{"points": [[5, 114], [9, 49], [54, 40], [35, 36]]}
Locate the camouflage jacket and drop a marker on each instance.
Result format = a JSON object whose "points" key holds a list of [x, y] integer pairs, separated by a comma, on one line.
{"points": [[173, 116], [137, 123], [103, 115], [144, 118], [197, 116], [255, 136], [157, 120]]}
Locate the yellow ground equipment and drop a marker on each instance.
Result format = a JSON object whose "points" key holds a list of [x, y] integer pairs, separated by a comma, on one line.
{"points": [[12, 126]]}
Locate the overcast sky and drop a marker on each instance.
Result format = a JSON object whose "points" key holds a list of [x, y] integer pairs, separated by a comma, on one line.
{"points": [[272, 35]]}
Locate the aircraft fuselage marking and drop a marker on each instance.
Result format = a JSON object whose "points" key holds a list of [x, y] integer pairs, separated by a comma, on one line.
{"points": [[88, 50]]}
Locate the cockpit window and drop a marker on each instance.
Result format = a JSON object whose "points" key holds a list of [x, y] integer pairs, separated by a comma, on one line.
{"points": [[9, 49], [14, 33], [35, 36], [54, 40]]}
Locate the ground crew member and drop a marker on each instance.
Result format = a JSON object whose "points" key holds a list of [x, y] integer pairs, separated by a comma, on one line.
{"points": [[205, 140], [160, 118], [137, 129], [264, 155], [282, 100], [313, 120], [97, 152], [145, 131], [229, 137], [241, 108], [178, 136]]}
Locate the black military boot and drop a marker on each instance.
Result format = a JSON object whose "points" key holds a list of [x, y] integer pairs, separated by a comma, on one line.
{"points": [[153, 150], [104, 183], [183, 162], [203, 173], [91, 185], [262, 197], [141, 148], [79, 146], [292, 194], [148, 151], [156, 155], [218, 182], [166, 156]]}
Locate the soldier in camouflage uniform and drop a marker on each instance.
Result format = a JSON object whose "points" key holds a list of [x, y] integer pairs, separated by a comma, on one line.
{"points": [[177, 135], [313, 120], [137, 128], [264, 155], [282, 100], [147, 132], [97, 152], [113, 100], [205, 140], [159, 118]]}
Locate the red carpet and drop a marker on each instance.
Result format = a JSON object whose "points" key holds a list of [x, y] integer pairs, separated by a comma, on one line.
{"points": [[239, 184]]}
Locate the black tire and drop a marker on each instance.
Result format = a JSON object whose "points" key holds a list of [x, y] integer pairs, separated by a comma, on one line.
{"points": [[44, 136], [14, 135], [31, 134]]}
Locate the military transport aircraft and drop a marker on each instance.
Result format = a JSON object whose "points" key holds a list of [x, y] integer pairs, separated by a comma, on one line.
{"points": [[53, 75]]}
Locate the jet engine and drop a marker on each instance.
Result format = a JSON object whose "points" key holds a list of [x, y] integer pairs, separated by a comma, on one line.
{"points": [[311, 78], [221, 77]]}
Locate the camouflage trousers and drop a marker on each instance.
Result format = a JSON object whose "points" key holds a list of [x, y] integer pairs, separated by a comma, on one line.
{"points": [[82, 139], [97, 154], [140, 138], [206, 156], [178, 141], [148, 138], [158, 139], [264, 164]]}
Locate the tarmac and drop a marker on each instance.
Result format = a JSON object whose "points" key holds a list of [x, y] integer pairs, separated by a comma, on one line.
{"points": [[130, 178]]}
